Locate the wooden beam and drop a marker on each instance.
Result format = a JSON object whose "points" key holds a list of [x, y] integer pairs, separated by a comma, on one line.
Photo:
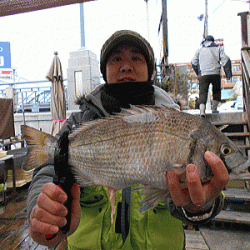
{"points": [[237, 194], [21, 6], [234, 134], [195, 241], [233, 217]]}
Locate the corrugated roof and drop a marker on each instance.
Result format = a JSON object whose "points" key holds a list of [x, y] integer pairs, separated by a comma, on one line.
{"points": [[10, 7]]}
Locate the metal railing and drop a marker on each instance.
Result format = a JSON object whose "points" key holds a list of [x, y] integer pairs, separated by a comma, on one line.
{"points": [[245, 27], [32, 96]]}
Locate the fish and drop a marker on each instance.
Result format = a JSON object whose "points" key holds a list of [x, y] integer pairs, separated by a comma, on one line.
{"points": [[138, 146]]}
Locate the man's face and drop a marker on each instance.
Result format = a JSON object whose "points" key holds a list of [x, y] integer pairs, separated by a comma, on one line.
{"points": [[126, 64]]}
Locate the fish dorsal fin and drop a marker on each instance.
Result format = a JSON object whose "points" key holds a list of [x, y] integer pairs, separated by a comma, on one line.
{"points": [[85, 133], [147, 108], [134, 110]]}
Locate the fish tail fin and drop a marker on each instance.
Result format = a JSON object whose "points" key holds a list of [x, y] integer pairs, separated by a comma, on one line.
{"points": [[41, 147], [154, 197]]}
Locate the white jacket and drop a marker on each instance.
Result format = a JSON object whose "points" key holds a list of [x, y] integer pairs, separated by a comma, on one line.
{"points": [[209, 59]]}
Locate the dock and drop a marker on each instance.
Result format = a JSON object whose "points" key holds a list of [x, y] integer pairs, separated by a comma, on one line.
{"points": [[14, 230], [230, 230]]}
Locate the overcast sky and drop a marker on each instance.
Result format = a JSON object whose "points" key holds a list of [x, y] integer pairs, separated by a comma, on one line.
{"points": [[35, 36]]}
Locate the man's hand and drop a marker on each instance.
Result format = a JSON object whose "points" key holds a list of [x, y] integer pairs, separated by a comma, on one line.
{"points": [[198, 193], [49, 214]]}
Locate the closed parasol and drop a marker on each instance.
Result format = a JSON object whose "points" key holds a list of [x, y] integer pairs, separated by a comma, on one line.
{"points": [[58, 100]]}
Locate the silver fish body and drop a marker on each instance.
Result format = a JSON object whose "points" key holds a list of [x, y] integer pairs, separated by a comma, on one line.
{"points": [[142, 146]]}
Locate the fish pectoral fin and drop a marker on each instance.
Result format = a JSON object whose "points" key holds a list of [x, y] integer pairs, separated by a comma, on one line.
{"points": [[147, 190], [155, 196]]}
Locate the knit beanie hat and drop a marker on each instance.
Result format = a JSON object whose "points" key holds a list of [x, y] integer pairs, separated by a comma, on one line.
{"points": [[127, 37], [209, 38]]}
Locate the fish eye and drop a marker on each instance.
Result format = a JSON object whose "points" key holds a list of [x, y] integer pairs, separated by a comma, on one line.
{"points": [[225, 149]]}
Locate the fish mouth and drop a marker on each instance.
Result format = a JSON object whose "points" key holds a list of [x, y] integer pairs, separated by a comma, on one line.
{"points": [[241, 171], [242, 167]]}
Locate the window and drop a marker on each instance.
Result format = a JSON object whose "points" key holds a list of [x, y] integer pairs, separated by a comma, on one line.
{"points": [[236, 67], [234, 80], [78, 83]]}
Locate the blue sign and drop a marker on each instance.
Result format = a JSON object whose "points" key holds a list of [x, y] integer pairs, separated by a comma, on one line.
{"points": [[5, 58]]}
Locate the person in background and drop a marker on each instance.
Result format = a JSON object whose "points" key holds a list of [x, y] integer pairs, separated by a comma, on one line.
{"points": [[207, 63], [127, 64]]}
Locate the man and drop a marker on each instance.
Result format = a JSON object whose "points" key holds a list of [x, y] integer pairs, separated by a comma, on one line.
{"points": [[127, 64], [207, 63]]}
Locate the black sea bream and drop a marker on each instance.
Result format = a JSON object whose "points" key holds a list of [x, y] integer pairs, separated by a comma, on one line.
{"points": [[139, 146]]}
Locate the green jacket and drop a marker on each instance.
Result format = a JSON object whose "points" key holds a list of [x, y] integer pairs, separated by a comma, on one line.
{"points": [[154, 229]]}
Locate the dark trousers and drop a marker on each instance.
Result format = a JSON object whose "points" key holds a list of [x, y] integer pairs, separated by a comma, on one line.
{"points": [[204, 82]]}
